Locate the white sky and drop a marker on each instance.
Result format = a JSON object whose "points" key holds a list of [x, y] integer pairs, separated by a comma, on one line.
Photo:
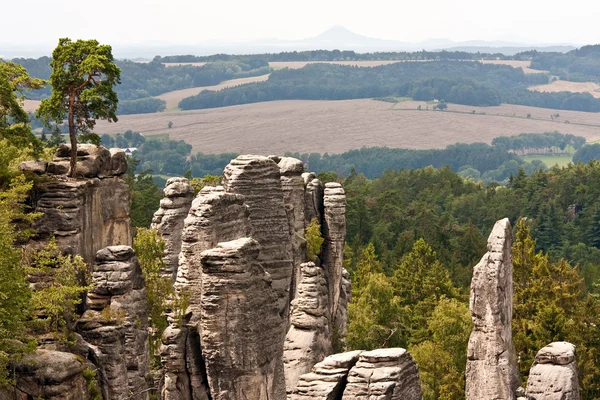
{"points": [[187, 22]]}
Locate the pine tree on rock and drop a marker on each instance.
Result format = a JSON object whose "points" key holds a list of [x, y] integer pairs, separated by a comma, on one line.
{"points": [[82, 80]]}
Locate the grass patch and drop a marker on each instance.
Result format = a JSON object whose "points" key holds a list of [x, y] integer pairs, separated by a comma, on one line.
{"points": [[562, 160]]}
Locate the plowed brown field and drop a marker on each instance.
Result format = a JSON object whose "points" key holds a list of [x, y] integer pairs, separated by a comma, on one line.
{"points": [[338, 126]]}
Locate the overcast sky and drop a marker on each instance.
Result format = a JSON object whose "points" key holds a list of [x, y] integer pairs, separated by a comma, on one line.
{"points": [[185, 21]]}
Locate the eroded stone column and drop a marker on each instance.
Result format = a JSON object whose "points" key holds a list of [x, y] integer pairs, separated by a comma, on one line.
{"points": [[116, 321], [492, 371], [334, 231]]}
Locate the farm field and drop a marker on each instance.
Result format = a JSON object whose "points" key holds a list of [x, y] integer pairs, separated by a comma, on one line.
{"points": [[338, 126], [524, 65], [562, 160], [567, 86], [173, 98]]}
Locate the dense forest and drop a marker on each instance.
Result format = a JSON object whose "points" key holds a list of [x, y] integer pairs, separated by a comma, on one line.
{"points": [[469, 83], [580, 65], [431, 225]]}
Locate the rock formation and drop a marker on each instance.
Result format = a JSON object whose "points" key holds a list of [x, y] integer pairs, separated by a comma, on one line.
{"points": [[116, 322], [169, 219], [84, 215], [313, 197], [237, 254], [492, 371], [553, 375], [258, 179], [240, 327], [334, 232], [215, 216], [292, 186], [328, 378], [385, 374], [308, 340], [49, 374]]}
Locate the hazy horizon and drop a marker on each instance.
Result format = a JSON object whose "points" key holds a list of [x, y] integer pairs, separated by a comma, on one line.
{"points": [[190, 22]]}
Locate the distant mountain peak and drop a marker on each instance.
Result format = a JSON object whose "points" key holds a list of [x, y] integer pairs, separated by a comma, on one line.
{"points": [[339, 33]]}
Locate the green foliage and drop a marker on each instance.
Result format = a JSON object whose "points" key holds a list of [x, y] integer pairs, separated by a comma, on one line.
{"points": [[93, 390], [141, 106], [15, 295], [58, 288], [442, 359], [375, 318], [419, 282], [82, 80], [314, 239], [91, 138], [487, 163], [149, 248], [14, 121], [199, 183], [550, 304], [145, 195]]}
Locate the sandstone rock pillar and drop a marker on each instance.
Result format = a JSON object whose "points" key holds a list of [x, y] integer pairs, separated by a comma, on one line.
{"points": [[492, 371]]}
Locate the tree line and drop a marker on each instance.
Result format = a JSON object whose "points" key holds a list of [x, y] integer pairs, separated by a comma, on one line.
{"points": [[334, 55], [579, 65], [469, 83]]}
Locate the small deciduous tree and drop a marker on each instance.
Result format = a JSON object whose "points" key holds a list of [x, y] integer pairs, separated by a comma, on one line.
{"points": [[314, 239], [82, 80]]}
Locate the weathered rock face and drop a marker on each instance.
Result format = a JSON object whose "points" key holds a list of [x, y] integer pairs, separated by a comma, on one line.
{"points": [[258, 179], [215, 216], [385, 374], [553, 375], [116, 322], [334, 231], [308, 340], [47, 374], [85, 215], [313, 197], [292, 186], [492, 371], [240, 328], [169, 219], [340, 319], [327, 380]]}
